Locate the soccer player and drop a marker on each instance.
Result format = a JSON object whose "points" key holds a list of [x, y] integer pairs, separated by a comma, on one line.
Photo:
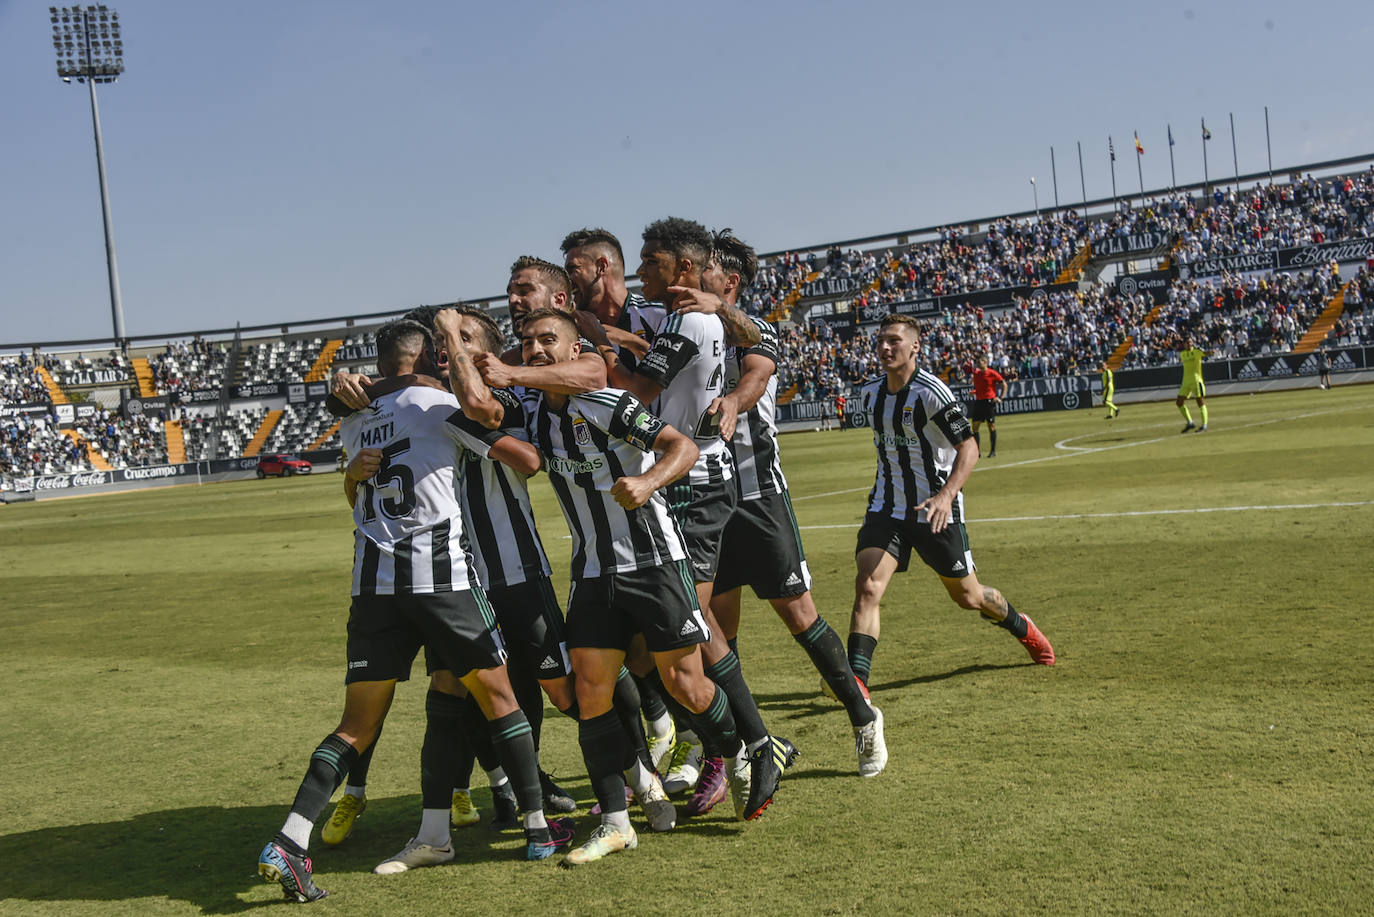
{"points": [[761, 546], [1192, 385], [411, 590], [1108, 389], [1324, 367], [925, 454], [629, 573], [595, 264], [985, 398]]}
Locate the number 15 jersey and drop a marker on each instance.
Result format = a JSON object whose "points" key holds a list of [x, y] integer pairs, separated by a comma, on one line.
{"points": [[409, 538]]}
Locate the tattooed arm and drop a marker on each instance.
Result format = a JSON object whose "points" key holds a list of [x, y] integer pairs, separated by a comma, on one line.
{"points": [[472, 393]]}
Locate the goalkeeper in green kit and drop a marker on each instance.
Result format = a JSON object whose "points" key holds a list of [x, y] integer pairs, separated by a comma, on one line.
{"points": [[1193, 386]]}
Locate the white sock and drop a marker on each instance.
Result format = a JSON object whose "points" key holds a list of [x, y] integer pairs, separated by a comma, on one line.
{"points": [[535, 819], [662, 727], [640, 778], [298, 829], [497, 777], [433, 827], [620, 821], [351, 790]]}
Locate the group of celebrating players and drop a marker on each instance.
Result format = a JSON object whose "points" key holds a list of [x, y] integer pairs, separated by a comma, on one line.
{"points": [[652, 414]]}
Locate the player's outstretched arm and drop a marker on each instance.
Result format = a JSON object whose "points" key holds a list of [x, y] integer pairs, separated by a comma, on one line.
{"points": [[585, 374], [473, 395], [676, 455], [515, 454], [739, 330]]}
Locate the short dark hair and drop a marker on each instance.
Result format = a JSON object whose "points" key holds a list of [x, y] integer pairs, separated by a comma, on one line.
{"points": [[680, 238], [540, 314], [493, 340], [553, 274], [423, 314], [735, 256], [580, 238], [896, 319], [400, 337]]}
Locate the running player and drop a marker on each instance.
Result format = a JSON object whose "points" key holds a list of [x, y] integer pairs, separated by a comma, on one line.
{"points": [[1192, 386], [629, 574], [985, 398], [925, 454], [761, 545], [410, 590], [1108, 389]]}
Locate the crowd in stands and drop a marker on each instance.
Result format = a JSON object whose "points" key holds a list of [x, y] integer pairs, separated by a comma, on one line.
{"points": [[20, 382], [189, 365], [31, 445]]}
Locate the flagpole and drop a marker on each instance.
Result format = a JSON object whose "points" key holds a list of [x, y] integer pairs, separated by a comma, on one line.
{"points": [[1173, 179], [1138, 172], [1268, 150], [1055, 176], [1206, 180], [1082, 183], [1111, 151], [1235, 160]]}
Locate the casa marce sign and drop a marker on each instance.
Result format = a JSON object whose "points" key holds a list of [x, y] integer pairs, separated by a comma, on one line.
{"points": [[1305, 258]]}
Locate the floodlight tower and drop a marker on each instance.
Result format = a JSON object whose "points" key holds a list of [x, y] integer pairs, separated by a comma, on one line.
{"points": [[89, 50]]}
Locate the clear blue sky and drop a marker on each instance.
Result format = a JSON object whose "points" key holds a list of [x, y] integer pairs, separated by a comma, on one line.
{"points": [[290, 160]]}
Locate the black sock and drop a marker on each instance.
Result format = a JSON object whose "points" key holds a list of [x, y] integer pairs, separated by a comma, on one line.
{"points": [[716, 727], [329, 764], [529, 696], [603, 749], [726, 672], [978, 441], [571, 712], [478, 734], [626, 704], [1013, 622], [683, 717], [733, 643], [992, 435], [514, 746], [650, 700], [861, 647], [827, 654], [442, 751], [357, 774]]}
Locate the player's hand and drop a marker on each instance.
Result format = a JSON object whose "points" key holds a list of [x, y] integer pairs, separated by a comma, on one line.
{"points": [[448, 322], [589, 326], [939, 508], [365, 464], [631, 493], [687, 299], [728, 409], [348, 388], [494, 372]]}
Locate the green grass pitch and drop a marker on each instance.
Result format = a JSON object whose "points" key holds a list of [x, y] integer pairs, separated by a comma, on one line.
{"points": [[1204, 745]]}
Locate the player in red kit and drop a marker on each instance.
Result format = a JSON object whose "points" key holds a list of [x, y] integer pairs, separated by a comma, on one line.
{"points": [[985, 397]]}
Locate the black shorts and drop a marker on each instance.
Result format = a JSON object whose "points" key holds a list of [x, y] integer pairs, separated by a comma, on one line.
{"points": [[532, 626], [984, 409], [762, 549], [701, 511], [605, 612], [385, 632], [946, 553]]}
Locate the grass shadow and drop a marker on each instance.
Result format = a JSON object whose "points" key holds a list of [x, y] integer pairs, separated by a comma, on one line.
{"points": [[813, 703]]}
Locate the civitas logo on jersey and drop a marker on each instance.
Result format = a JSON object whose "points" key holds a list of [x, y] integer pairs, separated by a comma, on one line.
{"points": [[571, 466]]}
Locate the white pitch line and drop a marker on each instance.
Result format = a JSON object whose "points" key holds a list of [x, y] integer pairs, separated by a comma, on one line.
{"points": [[1140, 512]]}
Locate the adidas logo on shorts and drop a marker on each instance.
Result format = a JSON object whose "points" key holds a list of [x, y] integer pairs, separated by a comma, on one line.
{"points": [[689, 628], [958, 566], [547, 664], [793, 579]]}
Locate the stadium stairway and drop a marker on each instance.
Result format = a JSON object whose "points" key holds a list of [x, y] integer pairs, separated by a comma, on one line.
{"points": [[264, 430], [97, 460], [1119, 355], [176, 442], [324, 360], [1322, 325], [1074, 269], [786, 397], [143, 372], [55, 392], [324, 437]]}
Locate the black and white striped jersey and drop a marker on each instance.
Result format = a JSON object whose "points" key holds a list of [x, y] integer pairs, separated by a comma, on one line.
{"points": [[687, 360], [410, 537], [915, 431], [496, 503], [596, 438], [755, 443], [639, 317]]}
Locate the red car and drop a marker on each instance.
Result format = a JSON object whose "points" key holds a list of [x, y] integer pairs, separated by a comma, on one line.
{"points": [[282, 465]]}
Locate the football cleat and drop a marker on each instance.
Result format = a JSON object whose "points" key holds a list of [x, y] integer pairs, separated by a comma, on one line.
{"points": [[658, 808], [1036, 644], [710, 788], [542, 843], [414, 855], [662, 746], [340, 824], [556, 799], [1202, 429], [293, 873], [870, 746], [463, 814], [605, 840], [684, 768], [765, 770], [505, 810], [789, 753], [1187, 428]]}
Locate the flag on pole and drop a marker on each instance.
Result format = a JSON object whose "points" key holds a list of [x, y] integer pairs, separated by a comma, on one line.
{"points": [[1111, 148], [1206, 134], [1139, 150], [1170, 129]]}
